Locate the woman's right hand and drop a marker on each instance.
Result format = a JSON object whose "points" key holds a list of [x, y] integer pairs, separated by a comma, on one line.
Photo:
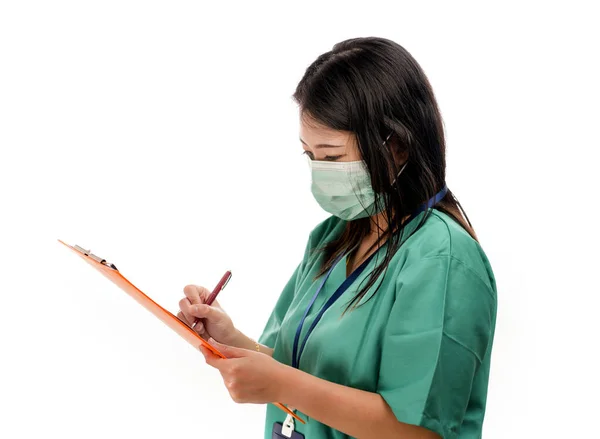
{"points": [[214, 321]]}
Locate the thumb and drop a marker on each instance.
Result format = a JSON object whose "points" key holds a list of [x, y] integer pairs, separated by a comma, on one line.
{"points": [[229, 351]]}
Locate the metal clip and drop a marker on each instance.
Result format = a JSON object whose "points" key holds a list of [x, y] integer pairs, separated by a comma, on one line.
{"points": [[94, 257], [226, 281]]}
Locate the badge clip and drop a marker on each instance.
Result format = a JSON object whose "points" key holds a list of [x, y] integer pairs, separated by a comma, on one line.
{"points": [[288, 427]]}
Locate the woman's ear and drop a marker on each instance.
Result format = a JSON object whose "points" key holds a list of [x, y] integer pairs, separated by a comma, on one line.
{"points": [[399, 151]]}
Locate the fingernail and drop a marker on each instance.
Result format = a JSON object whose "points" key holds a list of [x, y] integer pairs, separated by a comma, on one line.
{"points": [[211, 340]]}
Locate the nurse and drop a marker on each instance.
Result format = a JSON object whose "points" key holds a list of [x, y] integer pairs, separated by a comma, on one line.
{"points": [[385, 328]]}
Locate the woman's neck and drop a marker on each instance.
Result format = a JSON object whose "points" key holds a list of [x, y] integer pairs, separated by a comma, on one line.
{"points": [[379, 224]]}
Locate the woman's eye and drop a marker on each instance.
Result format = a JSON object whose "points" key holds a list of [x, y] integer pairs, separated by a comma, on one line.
{"points": [[328, 158], [309, 154]]}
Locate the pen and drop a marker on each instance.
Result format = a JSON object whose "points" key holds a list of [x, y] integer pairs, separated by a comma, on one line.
{"points": [[224, 280]]}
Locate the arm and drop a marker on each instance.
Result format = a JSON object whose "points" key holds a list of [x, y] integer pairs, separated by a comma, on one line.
{"points": [[355, 412], [252, 377], [243, 341]]}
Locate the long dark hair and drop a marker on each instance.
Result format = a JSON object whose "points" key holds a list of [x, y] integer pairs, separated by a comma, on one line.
{"points": [[373, 87]]}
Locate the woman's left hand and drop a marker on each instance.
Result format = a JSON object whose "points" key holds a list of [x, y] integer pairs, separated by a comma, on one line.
{"points": [[250, 376]]}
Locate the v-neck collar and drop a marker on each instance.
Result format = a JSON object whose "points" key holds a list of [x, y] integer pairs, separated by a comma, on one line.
{"points": [[338, 275]]}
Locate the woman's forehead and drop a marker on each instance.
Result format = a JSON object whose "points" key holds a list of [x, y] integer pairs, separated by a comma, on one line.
{"points": [[314, 133]]}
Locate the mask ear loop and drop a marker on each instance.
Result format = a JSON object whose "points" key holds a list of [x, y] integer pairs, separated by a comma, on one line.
{"points": [[403, 166], [383, 144], [398, 174], [401, 169]]}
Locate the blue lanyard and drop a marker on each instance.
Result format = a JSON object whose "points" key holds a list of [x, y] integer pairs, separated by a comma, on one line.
{"points": [[344, 286], [429, 203], [341, 289]]}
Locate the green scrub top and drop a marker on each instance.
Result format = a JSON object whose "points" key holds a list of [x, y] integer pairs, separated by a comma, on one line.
{"points": [[423, 341]]}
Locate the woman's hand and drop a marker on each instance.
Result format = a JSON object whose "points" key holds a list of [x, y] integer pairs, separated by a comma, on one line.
{"points": [[214, 321], [250, 376]]}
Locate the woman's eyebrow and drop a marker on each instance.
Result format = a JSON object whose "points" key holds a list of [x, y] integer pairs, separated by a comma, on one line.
{"points": [[325, 145]]}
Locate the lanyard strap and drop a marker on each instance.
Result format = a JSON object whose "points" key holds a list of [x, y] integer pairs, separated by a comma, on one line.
{"points": [[344, 286], [429, 203], [341, 289]]}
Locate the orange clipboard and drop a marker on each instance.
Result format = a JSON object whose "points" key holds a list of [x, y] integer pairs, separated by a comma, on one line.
{"points": [[188, 334]]}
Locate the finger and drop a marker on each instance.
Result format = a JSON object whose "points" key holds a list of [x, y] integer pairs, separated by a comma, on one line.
{"points": [[230, 351], [210, 358], [205, 353], [200, 329], [181, 317], [203, 312], [196, 294], [185, 307], [196, 324], [193, 292]]}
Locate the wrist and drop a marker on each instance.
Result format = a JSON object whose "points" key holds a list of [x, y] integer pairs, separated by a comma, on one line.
{"points": [[281, 380], [240, 340], [288, 385]]}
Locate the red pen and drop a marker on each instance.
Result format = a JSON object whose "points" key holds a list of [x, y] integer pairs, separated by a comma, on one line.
{"points": [[224, 280]]}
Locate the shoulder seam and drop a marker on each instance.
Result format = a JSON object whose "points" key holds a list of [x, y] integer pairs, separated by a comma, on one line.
{"points": [[469, 268], [460, 261], [464, 264]]}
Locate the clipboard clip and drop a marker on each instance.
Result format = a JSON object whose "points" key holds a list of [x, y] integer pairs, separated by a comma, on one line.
{"points": [[94, 257]]}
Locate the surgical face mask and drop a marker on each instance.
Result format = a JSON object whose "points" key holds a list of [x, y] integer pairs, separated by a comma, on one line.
{"points": [[344, 188]]}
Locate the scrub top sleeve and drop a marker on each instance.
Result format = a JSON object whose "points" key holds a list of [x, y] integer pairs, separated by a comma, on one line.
{"points": [[438, 331], [271, 329]]}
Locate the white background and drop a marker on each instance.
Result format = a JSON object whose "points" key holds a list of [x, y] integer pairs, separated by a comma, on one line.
{"points": [[162, 135]]}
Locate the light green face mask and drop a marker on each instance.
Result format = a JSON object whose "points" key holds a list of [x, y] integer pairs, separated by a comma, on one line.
{"points": [[344, 188]]}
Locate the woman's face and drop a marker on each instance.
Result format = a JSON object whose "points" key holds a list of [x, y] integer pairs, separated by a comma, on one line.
{"points": [[325, 144]]}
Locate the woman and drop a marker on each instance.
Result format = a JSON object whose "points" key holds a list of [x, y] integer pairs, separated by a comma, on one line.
{"points": [[403, 349]]}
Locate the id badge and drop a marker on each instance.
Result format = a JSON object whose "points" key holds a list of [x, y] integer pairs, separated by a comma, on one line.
{"points": [[287, 430], [278, 432]]}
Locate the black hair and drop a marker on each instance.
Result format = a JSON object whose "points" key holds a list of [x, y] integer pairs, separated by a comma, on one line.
{"points": [[373, 87]]}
